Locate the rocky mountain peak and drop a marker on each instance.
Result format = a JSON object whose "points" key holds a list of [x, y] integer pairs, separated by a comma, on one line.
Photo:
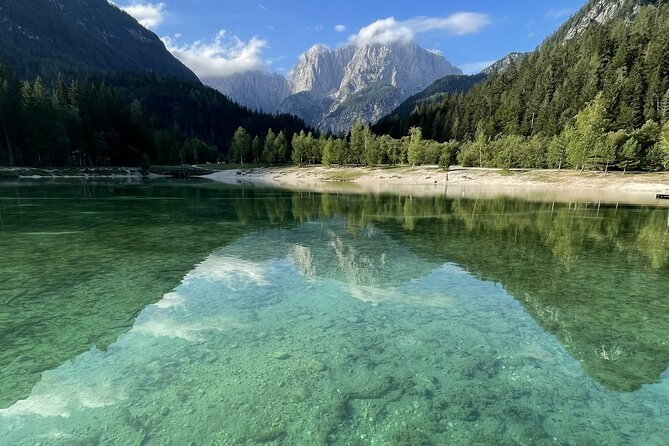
{"points": [[382, 74], [332, 89], [504, 63]]}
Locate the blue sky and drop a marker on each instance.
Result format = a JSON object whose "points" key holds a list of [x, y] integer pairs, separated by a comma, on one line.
{"points": [[223, 37]]}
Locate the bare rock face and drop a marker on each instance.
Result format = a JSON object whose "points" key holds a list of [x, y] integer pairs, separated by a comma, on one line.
{"points": [[332, 89], [598, 11], [504, 63], [360, 82], [404, 66], [320, 71], [256, 90]]}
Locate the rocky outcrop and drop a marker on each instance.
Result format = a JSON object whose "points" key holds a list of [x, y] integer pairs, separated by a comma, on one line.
{"points": [[503, 64], [597, 11]]}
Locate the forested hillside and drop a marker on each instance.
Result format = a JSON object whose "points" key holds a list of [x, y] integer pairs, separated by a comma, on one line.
{"points": [[121, 120], [396, 124], [590, 96], [75, 37]]}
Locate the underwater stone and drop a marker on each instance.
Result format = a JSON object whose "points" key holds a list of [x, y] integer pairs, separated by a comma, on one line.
{"points": [[281, 356]]}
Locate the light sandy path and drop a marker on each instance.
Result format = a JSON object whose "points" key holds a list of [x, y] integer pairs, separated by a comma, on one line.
{"points": [[432, 181]]}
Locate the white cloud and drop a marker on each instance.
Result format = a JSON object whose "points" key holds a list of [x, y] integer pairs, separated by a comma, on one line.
{"points": [[391, 30], [223, 56], [340, 28], [149, 15], [476, 67]]}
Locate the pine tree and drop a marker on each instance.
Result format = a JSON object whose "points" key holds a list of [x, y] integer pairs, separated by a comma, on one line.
{"points": [[329, 152], [357, 145], [281, 146], [269, 155], [256, 148], [299, 148], [416, 146]]}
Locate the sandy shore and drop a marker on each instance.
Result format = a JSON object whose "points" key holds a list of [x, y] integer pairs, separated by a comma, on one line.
{"points": [[429, 181]]}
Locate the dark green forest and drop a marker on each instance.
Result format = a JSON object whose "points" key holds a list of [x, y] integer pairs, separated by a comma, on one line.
{"points": [[598, 100], [121, 120], [398, 122]]}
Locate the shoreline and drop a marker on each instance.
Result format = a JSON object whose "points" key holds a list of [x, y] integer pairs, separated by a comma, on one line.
{"points": [[543, 185]]}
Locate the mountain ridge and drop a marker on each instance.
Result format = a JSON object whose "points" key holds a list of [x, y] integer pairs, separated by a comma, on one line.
{"points": [[329, 88], [71, 37]]}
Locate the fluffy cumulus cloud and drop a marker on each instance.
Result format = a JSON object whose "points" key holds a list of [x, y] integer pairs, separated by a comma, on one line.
{"points": [[340, 28], [149, 15], [391, 30], [223, 56]]}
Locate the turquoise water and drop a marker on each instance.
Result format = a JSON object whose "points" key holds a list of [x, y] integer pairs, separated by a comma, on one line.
{"points": [[194, 313]]}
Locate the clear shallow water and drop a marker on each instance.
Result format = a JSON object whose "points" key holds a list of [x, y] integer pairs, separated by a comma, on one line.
{"points": [[176, 313]]}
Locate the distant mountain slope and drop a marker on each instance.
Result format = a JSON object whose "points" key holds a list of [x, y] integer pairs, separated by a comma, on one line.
{"points": [[432, 94], [398, 121], [45, 37], [256, 90], [504, 63]]}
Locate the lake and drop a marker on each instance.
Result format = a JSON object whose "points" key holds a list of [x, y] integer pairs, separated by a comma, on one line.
{"points": [[193, 313]]}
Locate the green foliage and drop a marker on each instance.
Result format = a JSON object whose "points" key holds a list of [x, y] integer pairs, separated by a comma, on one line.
{"points": [[556, 156], [328, 158], [586, 138], [281, 146], [628, 157], [572, 93], [357, 143], [663, 145], [269, 153], [449, 154], [196, 151], [372, 151], [416, 151], [111, 122], [306, 148], [257, 147], [240, 148], [341, 149], [395, 123]]}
